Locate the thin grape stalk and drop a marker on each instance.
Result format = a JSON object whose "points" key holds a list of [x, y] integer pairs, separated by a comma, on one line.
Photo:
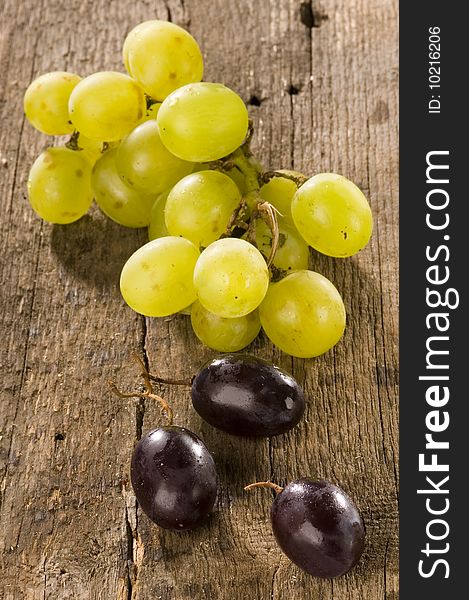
{"points": [[298, 180], [268, 213], [252, 207], [147, 392], [74, 143], [172, 472]]}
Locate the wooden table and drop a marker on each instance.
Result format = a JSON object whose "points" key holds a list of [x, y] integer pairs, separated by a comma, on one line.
{"points": [[320, 80]]}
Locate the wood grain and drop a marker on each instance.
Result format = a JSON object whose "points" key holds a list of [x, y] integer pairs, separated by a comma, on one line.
{"points": [[320, 79]]}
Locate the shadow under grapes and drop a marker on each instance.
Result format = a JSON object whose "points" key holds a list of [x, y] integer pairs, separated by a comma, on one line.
{"points": [[94, 249]]}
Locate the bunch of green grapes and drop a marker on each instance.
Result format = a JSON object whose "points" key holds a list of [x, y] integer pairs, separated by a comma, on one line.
{"points": [[229, 243]]}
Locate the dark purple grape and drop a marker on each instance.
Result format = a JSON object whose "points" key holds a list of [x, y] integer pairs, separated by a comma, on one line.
{"points": [[174, 477], [245, 395], [318, 527]]}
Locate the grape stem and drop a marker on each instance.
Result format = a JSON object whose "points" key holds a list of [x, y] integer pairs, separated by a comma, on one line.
{"points": [[240, 160], [222, 164], [147, 393], [268, 175], [170, 381], [72, 143], [268, 213], [237, 219], [264, 484], [150, 101], [246, 145]]}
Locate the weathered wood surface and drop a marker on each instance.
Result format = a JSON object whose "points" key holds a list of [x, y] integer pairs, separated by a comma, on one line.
{"points": [[322, 83]]}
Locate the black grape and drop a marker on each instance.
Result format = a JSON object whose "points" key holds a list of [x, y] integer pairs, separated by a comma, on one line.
{"points": [[318, 527], [245, 395], [174, 478]]}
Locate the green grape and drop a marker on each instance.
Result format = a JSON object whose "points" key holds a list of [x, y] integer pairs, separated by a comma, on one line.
{"points": [[231, 278], [106, 106], [46, 102], [200, 205], [292, 251], [224, 335], [162, 57], [332, 215], [303, 314], [156, 281], [144, 163], [279, 191], [157, 227], [59, 185], [118, 201], [202, 122]]}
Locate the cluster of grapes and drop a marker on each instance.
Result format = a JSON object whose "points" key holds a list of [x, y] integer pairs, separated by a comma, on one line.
{"points": [[229, 243], [174, 476]]}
